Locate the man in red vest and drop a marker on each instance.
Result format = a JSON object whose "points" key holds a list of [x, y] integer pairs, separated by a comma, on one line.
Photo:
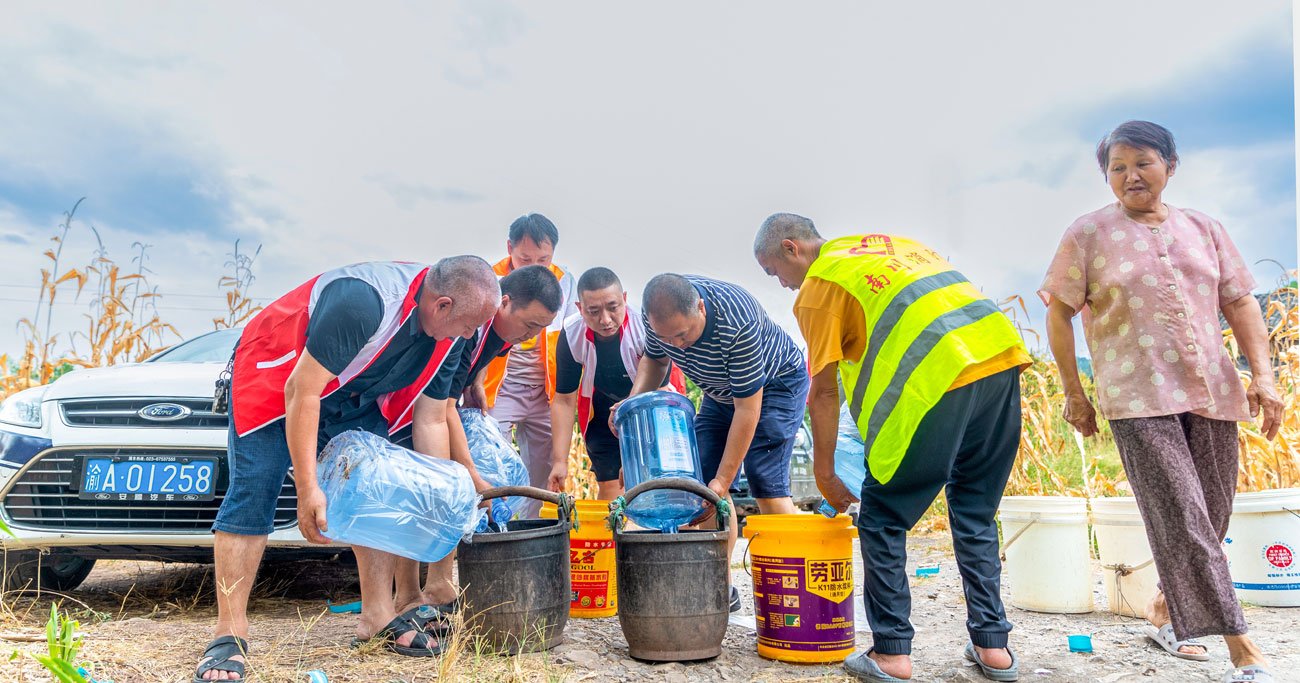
{"points": [[353, 348], [597, 356]]}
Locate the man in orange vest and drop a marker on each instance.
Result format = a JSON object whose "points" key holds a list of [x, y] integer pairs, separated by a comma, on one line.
{"points": [[353, 348], [516, 389]]}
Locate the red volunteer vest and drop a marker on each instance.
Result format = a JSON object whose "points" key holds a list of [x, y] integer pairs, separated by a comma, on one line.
{"points": [[275, 338]]}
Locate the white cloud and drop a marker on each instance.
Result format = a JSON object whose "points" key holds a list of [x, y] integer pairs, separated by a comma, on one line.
{"points": [[657, 138]]}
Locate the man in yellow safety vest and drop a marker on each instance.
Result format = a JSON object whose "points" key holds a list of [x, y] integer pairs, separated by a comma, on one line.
{"points": [[931, 372]]}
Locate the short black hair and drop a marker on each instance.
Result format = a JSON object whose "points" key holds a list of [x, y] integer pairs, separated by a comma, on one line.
{"points": [[1142, 135], [670, 294], [597, 278], [533, 283], [535, 227]]}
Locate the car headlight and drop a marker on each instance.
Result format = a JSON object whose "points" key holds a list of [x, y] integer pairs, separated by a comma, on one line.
{"points": [[23, 408]]}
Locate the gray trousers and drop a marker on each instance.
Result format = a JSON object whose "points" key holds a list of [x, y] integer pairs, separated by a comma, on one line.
{"points": [[1183, 470], [526, 411]]}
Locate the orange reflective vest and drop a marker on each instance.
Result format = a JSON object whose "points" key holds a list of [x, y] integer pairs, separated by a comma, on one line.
{"points": [[495, 373]]}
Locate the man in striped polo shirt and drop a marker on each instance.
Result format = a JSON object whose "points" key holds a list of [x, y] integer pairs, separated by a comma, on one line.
{"points": [[753, 376]]}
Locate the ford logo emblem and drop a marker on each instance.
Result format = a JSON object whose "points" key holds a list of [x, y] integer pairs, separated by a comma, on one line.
{"points": [[164, 412]]}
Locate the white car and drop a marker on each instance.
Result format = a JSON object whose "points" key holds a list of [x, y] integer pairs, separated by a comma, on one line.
{"points": [[124, 462]]}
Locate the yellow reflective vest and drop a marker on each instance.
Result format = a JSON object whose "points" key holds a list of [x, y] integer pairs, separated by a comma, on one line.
{"points": [[926, 323]]}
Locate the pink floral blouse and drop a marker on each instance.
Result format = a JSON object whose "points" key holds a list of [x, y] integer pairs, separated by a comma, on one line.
{"points": [[1153, 296]]}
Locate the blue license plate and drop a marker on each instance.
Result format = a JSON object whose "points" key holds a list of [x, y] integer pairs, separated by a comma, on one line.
{"points": [[148, 478]]}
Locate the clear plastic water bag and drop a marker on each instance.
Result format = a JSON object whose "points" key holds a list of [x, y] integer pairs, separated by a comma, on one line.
{"points": [[496, 461], [382, 496]]}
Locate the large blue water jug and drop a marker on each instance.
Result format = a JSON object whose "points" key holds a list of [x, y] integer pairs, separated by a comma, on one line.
{"points": [[656, 432], [380, 495]]}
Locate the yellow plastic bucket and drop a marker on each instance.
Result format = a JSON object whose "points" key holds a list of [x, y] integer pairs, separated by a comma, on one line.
{"points": [[803, 586], [591, 560]]}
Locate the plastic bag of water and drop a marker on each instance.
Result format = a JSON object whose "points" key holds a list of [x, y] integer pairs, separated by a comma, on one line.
{"points": [[382, 496], [850, 458], [496, 461], [656, 433]]}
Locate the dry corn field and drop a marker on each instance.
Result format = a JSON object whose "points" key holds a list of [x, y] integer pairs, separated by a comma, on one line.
{"points": [[123, 325], [1054, 460]]}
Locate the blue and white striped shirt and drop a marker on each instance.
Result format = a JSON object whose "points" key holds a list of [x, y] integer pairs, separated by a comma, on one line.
{"points": [[741, 349]]}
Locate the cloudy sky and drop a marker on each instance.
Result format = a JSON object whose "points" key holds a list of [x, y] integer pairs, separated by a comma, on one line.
{"points": [[657, 136]]}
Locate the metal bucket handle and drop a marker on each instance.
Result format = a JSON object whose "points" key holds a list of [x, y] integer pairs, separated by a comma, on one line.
{"points": [[721, 512], [562, 501]]}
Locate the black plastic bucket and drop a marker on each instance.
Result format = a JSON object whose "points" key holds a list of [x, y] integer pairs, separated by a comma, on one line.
{"points": [[515, 583], [673, 588]]}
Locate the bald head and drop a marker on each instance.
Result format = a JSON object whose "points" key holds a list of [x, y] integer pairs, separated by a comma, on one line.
{"points": [[460, 294], [468, 280], [674, 309]]}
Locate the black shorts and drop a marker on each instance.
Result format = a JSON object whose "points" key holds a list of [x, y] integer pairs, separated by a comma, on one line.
{"points": [[602, 448]]}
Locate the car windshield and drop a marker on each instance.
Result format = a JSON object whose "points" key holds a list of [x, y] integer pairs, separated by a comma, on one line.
{"points": [[213, 347]]}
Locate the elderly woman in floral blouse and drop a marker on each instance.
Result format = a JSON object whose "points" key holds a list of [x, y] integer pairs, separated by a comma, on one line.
{"points": [[1151, 280]]}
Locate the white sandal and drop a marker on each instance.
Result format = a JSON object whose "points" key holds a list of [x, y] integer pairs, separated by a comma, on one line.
{"points": [[1164, 637], [1253, 673]]}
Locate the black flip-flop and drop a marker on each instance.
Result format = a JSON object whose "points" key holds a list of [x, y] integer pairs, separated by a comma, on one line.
{"points": [[433, 618], [218, 655], [424, 644]]}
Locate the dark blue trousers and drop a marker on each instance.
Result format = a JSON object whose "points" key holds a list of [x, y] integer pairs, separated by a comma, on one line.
{"points": [[966, 443]]}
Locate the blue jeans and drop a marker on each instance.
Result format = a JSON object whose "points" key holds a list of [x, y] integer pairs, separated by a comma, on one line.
{"points": [[767, 462], [258, 463]]}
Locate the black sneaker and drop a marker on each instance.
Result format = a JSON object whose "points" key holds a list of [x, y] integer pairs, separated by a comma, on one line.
{"points": [[735, 600]]}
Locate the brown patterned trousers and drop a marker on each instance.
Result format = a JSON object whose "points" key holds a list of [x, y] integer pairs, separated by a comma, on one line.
{"points": [[1183, 470]]}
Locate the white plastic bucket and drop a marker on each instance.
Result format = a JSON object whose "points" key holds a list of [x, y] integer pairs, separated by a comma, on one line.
{"points": [[1046, 544], [1122, 545], [1262, 545]]}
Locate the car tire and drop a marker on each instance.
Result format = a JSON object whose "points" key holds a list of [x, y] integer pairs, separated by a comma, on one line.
{"points": [[28, 570]]}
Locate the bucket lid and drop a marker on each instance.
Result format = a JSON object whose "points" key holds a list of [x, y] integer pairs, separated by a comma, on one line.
{"points": [[1276, 500], [1044, 509], [809, 527], [1116, 511], [1061, 505], [1118, 505]]}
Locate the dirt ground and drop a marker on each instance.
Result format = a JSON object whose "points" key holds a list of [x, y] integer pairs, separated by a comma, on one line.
{"points": [[149, 622]]}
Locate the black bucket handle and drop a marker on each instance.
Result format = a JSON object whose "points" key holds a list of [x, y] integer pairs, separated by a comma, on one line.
{"points": [[563, 502], [676, 484]]}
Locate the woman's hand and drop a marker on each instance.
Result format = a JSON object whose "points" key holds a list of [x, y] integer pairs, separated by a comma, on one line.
{"points": [[1080, 414], [1262, 397]]}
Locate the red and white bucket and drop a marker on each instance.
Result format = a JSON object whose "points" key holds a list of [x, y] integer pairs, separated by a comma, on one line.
{"points": [[1263, 547]]}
